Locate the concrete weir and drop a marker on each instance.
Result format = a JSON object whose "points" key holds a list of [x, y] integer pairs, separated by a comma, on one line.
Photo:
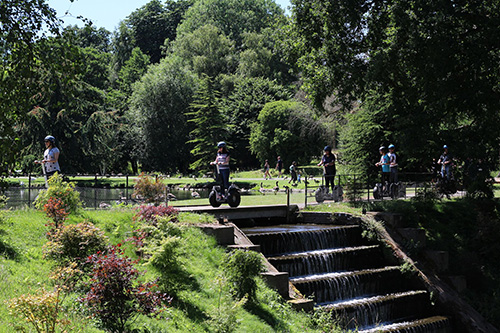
{"points": [[321, 260]]}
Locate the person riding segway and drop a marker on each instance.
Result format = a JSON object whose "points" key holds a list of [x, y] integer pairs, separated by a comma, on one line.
{"points": [[223, 193], [323, 192]]}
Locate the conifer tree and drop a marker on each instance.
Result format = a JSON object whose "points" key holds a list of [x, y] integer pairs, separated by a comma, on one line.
{"points": [[208, 122]]}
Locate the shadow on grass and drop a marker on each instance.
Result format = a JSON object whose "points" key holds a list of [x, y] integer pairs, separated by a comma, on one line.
{"points": [[264, 314], [7, 251]]}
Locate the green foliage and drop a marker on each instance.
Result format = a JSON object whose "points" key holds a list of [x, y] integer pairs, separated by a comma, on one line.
{"points": [[208, 124], [288, 129], [162, 96], [241, 268], [232, 17], [64, 191], [24, 26], [207, 51], [75, 242], [241, 109], [150, 189], [450, 89]]}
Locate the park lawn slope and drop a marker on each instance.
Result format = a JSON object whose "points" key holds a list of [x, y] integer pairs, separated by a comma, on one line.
{"points": [[200, 298]]}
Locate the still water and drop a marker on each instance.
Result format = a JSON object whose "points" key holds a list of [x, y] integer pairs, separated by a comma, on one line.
{"points": [[91, 197]]}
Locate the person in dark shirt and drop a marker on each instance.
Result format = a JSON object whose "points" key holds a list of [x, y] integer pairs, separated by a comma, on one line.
{"points": [[446, 161], [328, 163]]}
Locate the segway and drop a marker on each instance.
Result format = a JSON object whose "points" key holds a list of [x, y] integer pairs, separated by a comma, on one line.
{"points": [[218, 196], [322, 193], [394, 190]]}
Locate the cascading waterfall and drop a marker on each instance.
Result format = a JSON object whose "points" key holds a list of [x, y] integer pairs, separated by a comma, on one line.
{"points": [[349, 277]]}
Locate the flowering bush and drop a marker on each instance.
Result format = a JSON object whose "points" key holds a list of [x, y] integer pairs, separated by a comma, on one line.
{"points": [[150, 213], [115, 296], [149, 189], [63, 195]]}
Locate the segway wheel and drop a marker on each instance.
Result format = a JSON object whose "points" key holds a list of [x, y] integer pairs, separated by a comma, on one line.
{"points": [[319, 195], [212, 198], [234, 199], [377, 193]]}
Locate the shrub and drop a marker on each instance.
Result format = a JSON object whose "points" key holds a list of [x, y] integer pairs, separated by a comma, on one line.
{"points": [[115, 296], [241, 269], [75, 242], [41, 311], [68, 198], [54, 209], [150, 213], [149, 189]]}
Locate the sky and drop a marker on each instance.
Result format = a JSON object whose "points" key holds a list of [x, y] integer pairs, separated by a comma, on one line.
{"points": [[104, 13]]}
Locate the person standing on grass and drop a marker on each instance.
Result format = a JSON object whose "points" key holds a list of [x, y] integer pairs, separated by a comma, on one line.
{"points": [[50, 157]]}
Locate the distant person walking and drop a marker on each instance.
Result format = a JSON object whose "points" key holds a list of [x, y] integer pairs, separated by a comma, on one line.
{"points": [[293, 172], [279, 166], [267, 175], [328, 163], [50, 157]]}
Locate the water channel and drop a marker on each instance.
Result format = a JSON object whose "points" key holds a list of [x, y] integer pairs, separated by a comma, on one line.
{"points": [[90, 196]]}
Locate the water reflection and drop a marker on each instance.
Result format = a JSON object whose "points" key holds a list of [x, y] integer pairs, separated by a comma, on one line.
{"points": [[91, 197]]}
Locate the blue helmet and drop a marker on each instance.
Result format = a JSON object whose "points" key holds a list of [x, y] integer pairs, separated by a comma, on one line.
{"points": [[327, 148], [391, 146], [50, 138], [382, 148], [445, 147], [221, 144]]}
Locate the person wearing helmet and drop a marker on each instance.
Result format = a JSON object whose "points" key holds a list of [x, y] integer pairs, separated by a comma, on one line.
{"points": [[222, 162], [51, 156], [328, 163], [446, 161], [393, 165], [385, 164]]}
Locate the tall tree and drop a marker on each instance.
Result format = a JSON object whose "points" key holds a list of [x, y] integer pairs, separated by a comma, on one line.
{"points": [[208, 123], [157, 110], [242, 107], [24, 24], [232, 17], [432, 63]]}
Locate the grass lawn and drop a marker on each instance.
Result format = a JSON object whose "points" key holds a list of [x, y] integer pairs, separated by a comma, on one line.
{"points": [[201, 301]]}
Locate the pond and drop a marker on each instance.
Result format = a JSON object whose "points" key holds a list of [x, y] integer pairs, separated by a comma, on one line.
{"points": [[91, 197]]}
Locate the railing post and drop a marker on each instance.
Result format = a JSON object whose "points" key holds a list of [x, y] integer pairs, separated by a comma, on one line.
{"points": [[95, 192], [29, 189], [305, 200], [126, 186]]}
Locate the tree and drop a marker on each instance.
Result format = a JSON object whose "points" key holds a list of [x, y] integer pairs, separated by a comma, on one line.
{"points": [[424, 62], [154, 23], [242, 107], [157, 110], [24, 24], [207, 51], [209, 125], [232, 17], [288, 129]]}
